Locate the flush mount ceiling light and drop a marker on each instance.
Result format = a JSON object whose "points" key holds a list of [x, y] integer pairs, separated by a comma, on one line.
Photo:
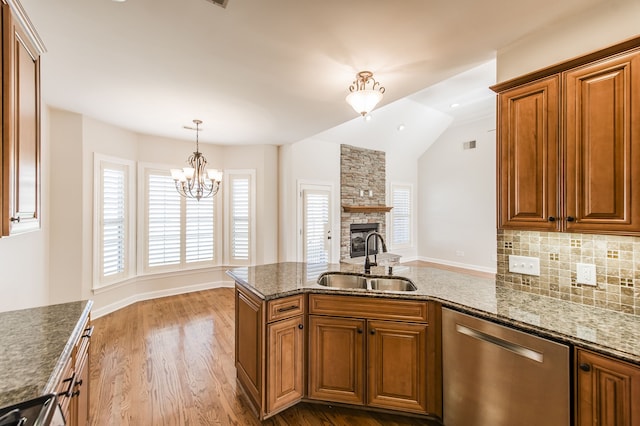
{"points": [[365, 94], [195, 181]]}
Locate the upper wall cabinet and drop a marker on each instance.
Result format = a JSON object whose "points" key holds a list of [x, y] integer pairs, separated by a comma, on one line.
{"points": [[569, 145], [20, 165]]}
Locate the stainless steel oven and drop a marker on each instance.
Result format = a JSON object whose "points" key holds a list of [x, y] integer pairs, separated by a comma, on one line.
{"points": [[41, 411]]}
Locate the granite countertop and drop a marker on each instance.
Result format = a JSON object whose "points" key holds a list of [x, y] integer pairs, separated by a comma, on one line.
{"points": [[608, 332], [34, 346]]}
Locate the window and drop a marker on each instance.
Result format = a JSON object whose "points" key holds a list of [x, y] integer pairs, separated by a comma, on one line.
{"points": [[401, 215], [179, 232], [113, 232], [240, 204]]}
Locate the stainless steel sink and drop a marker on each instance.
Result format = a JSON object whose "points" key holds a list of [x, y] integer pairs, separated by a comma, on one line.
{"points": [[391, 284], [342, 280]]}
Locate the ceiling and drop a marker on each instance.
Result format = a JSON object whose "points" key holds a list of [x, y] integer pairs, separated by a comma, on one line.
{"points": [[276, 71]]}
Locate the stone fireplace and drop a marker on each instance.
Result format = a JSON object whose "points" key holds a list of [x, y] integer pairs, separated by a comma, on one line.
{"points": [[359, 232], [362, 191]]}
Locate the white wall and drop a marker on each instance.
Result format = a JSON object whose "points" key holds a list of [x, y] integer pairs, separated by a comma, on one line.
{"points": [[457, 198], [309, 161], [24, 259], [606, 24]]}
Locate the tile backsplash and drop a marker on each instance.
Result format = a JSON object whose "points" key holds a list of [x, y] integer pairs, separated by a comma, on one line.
{"points": [[617, 261]]}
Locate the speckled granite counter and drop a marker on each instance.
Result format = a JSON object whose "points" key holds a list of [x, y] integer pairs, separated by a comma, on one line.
{"points": [[34, 345], [608, 332]]}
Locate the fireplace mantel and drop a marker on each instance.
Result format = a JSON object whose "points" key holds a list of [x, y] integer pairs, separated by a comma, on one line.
{"points": [[366, 209]]}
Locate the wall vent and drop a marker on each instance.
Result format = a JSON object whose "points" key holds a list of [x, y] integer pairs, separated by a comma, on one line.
{"points": [[221, 3], [469, 145]]}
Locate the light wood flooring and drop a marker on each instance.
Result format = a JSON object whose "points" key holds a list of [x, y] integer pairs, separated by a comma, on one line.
{"points": [[170, 361]]}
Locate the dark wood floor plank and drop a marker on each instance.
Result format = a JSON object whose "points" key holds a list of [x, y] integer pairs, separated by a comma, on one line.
{"points": [[170, 361]]}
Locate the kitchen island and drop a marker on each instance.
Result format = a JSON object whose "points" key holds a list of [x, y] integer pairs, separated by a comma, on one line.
{"points": [[290, 290], [609, 332]]}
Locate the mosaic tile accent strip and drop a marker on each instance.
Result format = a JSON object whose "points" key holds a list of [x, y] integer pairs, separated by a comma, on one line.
{"points": [[617, 261]]}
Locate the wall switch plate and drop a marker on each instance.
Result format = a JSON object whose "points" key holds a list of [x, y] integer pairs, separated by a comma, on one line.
{"points": [[586, 273], [524, 265]]}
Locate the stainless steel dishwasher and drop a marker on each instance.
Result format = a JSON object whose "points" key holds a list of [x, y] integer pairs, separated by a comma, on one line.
{"points": [[498, 376]]}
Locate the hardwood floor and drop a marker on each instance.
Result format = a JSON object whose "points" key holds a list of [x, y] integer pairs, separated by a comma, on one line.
{"points": [[170, 361]]}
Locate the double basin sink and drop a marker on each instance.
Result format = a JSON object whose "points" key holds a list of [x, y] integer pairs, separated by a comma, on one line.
{"points": [[343, 280]]}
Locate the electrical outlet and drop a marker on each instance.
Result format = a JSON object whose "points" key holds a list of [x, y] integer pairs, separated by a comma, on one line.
{"points": [[524, 265], [459, 253], [586, 273]]}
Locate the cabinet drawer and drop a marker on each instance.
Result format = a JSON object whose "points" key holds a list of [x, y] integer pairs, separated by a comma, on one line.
{"points": [[363, 307], [285, 307]]}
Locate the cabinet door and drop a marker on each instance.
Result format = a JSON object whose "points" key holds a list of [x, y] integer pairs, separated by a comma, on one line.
{"points": [[607, 391], [602, 139], [21, 129], [397, 361], [336, 359], [285, 363], [528, 155], [249, 346]]}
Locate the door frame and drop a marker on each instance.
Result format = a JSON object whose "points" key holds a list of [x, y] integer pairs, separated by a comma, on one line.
{"points": [[303, 184]]}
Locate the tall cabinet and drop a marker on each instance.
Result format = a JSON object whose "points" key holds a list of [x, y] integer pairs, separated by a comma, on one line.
{"points": [[569, 145], [20, 143]]}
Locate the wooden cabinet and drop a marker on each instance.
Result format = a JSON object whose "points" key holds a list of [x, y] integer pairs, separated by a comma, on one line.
{"points": [[567, 139], [528, 156], [382, 353], [20, 151], [607, 391], [285, 363], [270, 351], [336, 359], [602, 146], [73, 388]]}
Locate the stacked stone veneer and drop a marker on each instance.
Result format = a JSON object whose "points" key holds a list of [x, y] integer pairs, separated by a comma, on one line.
{"points": [[361, 169], [617, 261]]}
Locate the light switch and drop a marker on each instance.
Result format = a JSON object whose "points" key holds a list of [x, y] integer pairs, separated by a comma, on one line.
{"points": [[524, 265]]}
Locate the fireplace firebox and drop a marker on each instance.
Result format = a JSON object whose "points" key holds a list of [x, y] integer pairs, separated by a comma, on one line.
{"points": [[359, 232]]}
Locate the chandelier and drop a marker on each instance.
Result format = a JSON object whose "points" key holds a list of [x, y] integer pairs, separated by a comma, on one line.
{"points": [[195, 181], [365, 93]]}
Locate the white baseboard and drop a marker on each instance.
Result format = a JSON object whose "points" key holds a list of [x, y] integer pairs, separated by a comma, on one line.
{"points": [[459, 265], [104, 310]]}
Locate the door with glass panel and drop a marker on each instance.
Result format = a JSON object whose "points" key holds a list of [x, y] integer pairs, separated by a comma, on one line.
{"points": [[316, 224]]}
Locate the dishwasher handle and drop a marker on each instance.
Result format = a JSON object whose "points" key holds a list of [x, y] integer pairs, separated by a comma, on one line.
{"points": [[504, 344]]}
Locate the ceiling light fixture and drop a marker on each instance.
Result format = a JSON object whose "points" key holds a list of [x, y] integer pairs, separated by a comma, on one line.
{"points": [[195, 181], [365, 94]]}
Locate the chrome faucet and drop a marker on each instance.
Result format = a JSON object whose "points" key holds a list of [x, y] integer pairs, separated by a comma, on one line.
{"points": [[367, 263]]}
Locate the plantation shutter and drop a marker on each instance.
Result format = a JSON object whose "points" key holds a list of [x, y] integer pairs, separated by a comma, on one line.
{"points": [[401, 215], [316, 226], [199, 239], [114, 212], [240, 217], [163, 221]]}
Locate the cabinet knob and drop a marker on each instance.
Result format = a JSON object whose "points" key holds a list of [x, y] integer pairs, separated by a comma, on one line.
{"points": [[15, 219], [571, 219], [300, 326], [359, 330], [552, 219], [373, 331], [585, 367]]}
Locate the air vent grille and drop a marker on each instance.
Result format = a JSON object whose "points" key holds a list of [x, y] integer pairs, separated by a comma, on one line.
{"points": [[221, 3], [469, 145]]}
